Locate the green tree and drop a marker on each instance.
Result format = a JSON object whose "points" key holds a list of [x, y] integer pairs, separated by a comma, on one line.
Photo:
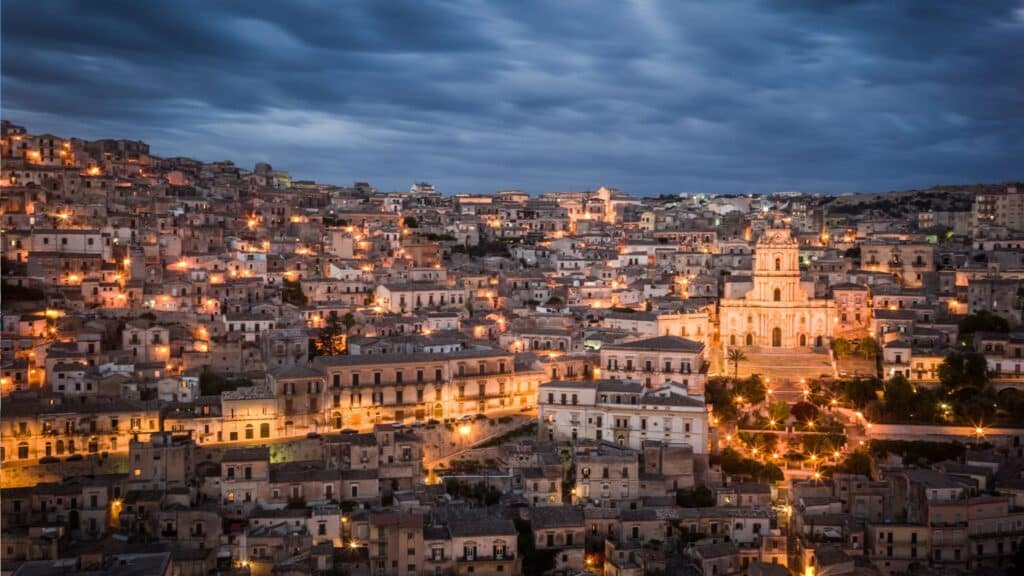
{"points": [[348, 320], [963, 370], [899, 397], [926, 405], [720, 399], [698, 497], [291, 292], [778, 411], [804, 411], [752, 389], [411, 222], [735, 357], [841, 347], [331, 339], [868, 347], [860, 391], [734, 464], [983, 321], [856, 463]]}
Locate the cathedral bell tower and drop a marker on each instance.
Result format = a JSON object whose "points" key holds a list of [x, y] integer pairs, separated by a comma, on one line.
{"points": [[777, 268]]}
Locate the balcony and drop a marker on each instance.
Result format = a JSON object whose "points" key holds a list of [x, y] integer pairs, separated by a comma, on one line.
{"points": [[396, 470], [477, 375], [478, 558], [996, 532]]}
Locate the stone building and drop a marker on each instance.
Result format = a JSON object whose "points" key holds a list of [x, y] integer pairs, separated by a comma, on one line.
{"points": [[775, 308]]}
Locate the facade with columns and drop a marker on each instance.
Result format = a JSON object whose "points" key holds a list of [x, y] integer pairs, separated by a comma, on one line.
{"points": [[774, 308]]}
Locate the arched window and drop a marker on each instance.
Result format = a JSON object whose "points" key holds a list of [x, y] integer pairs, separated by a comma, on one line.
{"points": [[803, 340], [778, 264], [777, 295], [750, 339]]}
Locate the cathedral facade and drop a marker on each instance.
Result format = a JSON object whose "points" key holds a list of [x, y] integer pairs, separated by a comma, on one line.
{"points": [[773, 308]]}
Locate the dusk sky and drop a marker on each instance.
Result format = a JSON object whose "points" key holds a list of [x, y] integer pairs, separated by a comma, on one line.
{"points": [[648, 97]]}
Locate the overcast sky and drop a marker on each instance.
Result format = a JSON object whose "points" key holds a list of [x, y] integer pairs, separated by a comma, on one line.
{"points": [[648, 97]]}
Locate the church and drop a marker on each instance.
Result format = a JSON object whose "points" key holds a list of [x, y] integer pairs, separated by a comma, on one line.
{"points": [[774, 308]]}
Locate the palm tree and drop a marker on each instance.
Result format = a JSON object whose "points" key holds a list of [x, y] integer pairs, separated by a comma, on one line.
{"points": [[736, 356]]}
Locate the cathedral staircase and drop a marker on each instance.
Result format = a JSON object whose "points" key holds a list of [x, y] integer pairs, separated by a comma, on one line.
{"points": [[785, 364]]}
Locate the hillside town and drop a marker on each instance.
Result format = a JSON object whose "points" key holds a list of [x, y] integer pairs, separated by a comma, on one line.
{"points": [[216, 369]]}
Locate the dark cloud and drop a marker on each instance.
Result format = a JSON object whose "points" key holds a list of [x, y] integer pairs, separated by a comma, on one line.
{"points": [[652, 97]]}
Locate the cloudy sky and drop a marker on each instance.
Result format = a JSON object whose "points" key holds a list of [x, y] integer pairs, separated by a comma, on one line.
{"points": [[650, 97]]}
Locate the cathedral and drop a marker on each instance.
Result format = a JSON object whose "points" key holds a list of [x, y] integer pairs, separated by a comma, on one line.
{"points": [[774, 309]]}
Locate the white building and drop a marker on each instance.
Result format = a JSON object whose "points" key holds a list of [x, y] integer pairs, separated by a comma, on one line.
{"points": [[624, 412], [657, 361]]}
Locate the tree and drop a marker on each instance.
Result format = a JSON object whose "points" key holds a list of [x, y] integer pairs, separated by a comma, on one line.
{"points": [[734, 464], [212, 384], [721, 402], [963, 370], [411, 222], [735, 357], [291, 292], [926, 405], [778, 411], [349, 321], [698, 497], [841, 347], [752, 389], [983, 321], [860, 391], [331, 339], [868, 347], [856, 463], [804, 411], [899, 397]]}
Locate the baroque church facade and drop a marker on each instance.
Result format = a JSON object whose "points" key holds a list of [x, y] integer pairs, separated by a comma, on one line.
{"points": [[774, 308]]}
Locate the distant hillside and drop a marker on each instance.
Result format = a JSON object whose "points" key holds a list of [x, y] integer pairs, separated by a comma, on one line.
{"points": [[907, 203]]}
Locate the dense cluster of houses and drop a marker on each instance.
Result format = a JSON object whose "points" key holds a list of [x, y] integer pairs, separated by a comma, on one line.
{"points": [[212, 369]]}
